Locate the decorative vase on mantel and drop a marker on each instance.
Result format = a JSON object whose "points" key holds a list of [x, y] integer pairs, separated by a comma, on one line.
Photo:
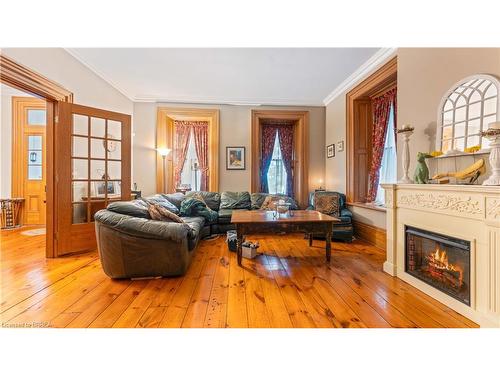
{"points": [[493, 134], [407, 131]]}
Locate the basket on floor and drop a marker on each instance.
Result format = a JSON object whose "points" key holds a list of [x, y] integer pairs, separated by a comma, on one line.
{"points": [[11, 212]]}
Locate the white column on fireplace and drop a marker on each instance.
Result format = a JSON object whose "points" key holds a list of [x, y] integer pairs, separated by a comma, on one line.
{"points": [[471, 213], [406, 155], [494, 158]]}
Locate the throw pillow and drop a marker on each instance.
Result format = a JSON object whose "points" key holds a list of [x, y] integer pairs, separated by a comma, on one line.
{"points": [[235, 200], [162, 201], [160, 213], [175, 198], [131, 208], [259, 198], [212, 199], [270, 202], [327, 203]]}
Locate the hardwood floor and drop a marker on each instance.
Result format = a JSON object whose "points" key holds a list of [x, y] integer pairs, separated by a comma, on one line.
{"points": [[289, 285]]}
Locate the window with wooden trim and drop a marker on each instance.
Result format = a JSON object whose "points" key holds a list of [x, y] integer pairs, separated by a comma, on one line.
{"points": [[166, 138], [359, 124], [300, 159]]}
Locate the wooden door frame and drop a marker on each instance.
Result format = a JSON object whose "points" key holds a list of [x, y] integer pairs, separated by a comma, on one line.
{"points": [[377, 83], [20, 104], [165, 139], [301, 149], [27, 80]]}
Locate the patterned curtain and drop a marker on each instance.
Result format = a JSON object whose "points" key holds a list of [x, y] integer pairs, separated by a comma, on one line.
{"points": [[285, 134], [395, 109], [381, 107], [182, 132], [268, 137], [200, 133]]}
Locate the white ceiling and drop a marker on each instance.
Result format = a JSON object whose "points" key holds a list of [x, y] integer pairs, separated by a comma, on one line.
{"points": [[246, 76]]}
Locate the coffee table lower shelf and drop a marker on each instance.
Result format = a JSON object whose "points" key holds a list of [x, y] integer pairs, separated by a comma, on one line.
{"points": [[243, 229]]}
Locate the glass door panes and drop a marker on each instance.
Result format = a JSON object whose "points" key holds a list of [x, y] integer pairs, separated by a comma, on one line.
{"points": [[37, 117], [96, 165], [35, 157]]}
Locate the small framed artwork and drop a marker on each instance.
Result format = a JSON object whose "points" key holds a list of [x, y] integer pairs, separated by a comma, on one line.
{"points": [[340, 146], [235, 158], [99, 188], [330, 151]]}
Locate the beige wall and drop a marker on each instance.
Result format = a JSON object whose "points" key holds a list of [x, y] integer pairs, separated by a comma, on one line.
{"points": [[235, 124], [424, 75], [335, 168], [335, 131], [59, 66]]}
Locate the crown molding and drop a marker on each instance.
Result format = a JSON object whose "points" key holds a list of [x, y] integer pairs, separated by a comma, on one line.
{"points": [[226, 101], [379, 58], [97, 72]]}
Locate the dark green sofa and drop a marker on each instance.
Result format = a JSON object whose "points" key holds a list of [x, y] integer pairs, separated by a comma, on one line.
{"points": [[131, 245]]}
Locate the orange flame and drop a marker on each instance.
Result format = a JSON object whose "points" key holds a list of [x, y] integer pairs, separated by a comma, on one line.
{"points": [[441, 261]]}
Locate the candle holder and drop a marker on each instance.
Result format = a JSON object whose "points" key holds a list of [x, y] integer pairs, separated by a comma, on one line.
{"points": [[407, 131], [493, 134]]}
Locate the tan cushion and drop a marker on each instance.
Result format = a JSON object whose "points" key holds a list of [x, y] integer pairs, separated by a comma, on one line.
{"points": [[327, 203], [160, 213], [270, 202]]}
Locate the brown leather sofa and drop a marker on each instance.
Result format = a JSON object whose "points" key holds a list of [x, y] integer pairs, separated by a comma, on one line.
{"points": [[132, 247]]}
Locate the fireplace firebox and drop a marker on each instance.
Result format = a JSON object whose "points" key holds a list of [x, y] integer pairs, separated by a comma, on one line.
{"points": [[440, 261]]}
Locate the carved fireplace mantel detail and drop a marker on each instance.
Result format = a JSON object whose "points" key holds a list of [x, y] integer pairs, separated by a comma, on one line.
{"points": [[459, 204], [471, 213], [493, 208]]}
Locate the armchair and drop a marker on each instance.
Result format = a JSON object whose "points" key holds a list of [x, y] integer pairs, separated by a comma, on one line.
{"points": [[343, 230]]}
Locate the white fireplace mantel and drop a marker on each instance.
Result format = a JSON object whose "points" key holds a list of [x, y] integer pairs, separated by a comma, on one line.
{"points": [[469, 212]]}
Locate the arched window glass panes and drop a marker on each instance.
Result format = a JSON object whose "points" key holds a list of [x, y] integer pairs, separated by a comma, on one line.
{"points": [[467, 110]]}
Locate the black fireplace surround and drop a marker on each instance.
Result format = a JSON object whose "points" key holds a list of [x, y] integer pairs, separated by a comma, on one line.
{"points": [[440, 261]]}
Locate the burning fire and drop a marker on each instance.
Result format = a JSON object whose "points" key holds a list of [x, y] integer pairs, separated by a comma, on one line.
{"points": [[439, 261]]}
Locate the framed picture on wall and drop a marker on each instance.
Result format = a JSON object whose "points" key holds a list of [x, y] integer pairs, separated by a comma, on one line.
{"points": [[340, 146], [98, 188], [235, 158], [330, 151]]}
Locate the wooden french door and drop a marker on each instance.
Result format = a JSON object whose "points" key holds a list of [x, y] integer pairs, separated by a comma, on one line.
{"points": [[92, 168]]}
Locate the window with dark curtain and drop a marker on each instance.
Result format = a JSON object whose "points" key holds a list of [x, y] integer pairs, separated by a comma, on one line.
{"points": [[277, 158]]}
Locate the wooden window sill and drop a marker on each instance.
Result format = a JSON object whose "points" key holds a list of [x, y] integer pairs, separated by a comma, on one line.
{"points": [[369, 206]]}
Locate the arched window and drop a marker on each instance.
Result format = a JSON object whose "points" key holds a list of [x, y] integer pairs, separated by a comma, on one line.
{"points": [[465, 110]]}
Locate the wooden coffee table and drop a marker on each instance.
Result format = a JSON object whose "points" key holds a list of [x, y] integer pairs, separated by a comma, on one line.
{"points": [[260, 222]]}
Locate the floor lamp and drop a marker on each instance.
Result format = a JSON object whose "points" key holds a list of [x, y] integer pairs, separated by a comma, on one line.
{"points": [[164, 152]]}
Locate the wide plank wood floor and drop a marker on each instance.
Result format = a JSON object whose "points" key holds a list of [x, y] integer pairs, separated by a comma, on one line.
{"points": [[288, 285]]}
